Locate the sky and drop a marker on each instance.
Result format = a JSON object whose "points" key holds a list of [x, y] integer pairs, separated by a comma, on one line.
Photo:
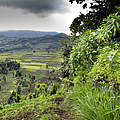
{"points": [[39, 15]]}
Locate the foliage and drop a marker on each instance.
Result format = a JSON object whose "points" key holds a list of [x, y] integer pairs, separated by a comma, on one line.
{"points": [[8, 65], [54, 88], [83, 54], [49, 117], [41, 90], [95, 69], [42, 108], [94, 104], [65, 52], [87, 48], [1, 107], [107, 66], [109, 30], [93, 57], [98, 10]]}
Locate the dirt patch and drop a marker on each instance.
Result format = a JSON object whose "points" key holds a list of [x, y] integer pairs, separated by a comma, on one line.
{"points": [[62, 110], [48, 80]]}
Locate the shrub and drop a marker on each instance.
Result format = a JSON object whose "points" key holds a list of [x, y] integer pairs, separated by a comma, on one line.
{"points": [[107, 66], [86, 51], [54, 88], [1, 107], [83, 54]]}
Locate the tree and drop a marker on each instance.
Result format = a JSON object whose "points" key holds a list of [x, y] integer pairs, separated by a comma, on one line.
{"points": [[4, 78], [18, 89], [65, 52], [98, 10]]}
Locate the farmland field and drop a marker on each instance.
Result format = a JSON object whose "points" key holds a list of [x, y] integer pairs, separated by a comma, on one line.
{"points": [[36, 63]]}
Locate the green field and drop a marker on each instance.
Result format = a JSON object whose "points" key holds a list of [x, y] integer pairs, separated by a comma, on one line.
{"points": [[7, 88], [35, 63]]}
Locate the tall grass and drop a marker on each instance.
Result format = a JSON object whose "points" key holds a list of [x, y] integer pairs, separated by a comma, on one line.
{"points": [[94, 104]]}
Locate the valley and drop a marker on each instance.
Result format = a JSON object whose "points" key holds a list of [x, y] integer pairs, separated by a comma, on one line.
{"points": [[37, 57], [71, 74]]}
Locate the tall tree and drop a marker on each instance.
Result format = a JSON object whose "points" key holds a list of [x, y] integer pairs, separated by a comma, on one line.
{"points": [[98, 9]]}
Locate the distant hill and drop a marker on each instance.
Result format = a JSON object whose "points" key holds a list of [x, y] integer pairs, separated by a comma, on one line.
{"points": [[25, 33], [44, 42]]}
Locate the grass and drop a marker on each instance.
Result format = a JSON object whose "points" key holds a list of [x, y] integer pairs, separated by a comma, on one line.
{"points": [[42, 108], [33, 63], [29, 68], [7, 87], [33, 67], [94, 104]]}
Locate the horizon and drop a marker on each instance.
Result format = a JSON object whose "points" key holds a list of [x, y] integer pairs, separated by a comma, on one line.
{"points": [[18, 15], [33, 31]]}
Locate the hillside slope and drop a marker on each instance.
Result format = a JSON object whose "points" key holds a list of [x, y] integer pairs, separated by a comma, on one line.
{"points": [[47, 41], [25, 33]]}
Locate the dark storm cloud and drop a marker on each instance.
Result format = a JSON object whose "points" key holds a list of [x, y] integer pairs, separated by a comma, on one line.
{"points": [[35, 6]]}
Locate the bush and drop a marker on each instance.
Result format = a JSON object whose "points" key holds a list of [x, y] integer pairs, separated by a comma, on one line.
{"points": [[86, 51], [83, 54], [1, 107], [107, 66], [41, 89], [54, 88]]}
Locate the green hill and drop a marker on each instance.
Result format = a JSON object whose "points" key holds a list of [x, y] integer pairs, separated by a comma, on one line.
{"points": [[25, 33], [44, 42]]}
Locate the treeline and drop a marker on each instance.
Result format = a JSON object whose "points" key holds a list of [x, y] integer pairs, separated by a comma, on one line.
{"points": [[8, 65]]}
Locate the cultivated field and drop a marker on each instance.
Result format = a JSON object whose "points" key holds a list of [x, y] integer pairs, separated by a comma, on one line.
{"points": [[37, 63]]}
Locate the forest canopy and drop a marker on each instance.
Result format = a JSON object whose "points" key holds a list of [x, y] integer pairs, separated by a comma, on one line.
{"points": [[98, 10]]}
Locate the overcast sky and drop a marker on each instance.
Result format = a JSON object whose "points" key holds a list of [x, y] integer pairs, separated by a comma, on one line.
{"points": [[41, 15]]}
